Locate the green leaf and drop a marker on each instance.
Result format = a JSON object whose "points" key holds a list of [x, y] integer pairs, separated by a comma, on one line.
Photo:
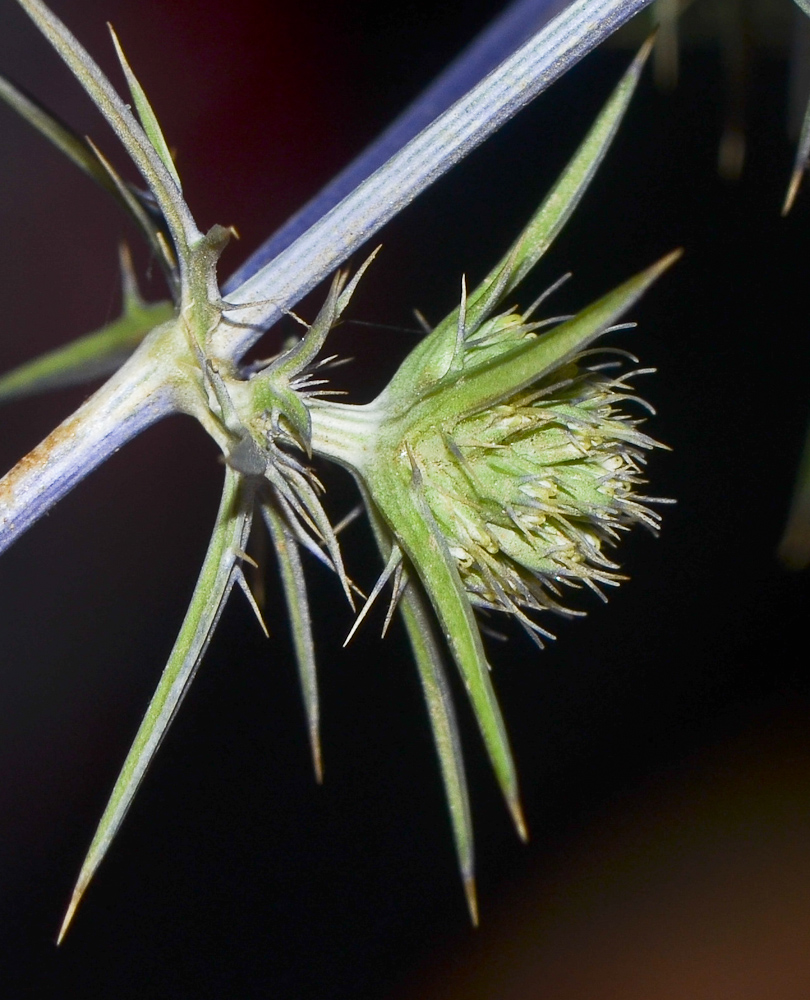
{"points": [[147, 116], [151, 232], [216, 579], [431, 358], [506, 374], [79, 150], [87, 358], [411, 521], [295, 593], [438, 698], [74, 146], [436, 691], [558, 206], [161, 183]]}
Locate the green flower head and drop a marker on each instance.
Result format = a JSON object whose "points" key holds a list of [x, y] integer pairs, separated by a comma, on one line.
{"points": [[531, 494], [499, 468]]}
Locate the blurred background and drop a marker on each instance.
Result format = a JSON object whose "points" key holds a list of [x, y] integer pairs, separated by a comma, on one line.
{"points": [[663, 743]]}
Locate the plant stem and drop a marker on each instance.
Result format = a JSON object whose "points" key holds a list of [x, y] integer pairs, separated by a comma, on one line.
{"points": [[280, 284], [135, 397], [345, 433], [499, 39]]}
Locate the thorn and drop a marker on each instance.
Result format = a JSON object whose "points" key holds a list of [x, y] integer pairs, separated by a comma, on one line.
{"points": [[344, 522], [287, 312], [166, 250], [394, 560], [665, 262], [420, 319], [544, 295], [78, 892], [397, 590], [793, 189], [518, 819], [129, 286], [461, 328], [472, 899], [241, 554], [239, 576]]}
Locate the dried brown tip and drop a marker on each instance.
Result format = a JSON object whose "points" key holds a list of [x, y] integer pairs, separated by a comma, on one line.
{"points": [[317, 760], [793, 189], [472, 899], [75, 899], [519, 820]]}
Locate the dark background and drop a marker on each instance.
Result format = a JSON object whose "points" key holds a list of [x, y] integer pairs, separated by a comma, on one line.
{"points": [[663, 743]]}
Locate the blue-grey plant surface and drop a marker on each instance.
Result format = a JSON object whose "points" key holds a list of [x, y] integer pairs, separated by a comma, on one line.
{"points": [[234, 871]]}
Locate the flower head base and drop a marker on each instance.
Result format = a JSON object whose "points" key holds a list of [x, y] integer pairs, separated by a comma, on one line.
{"points": [[530, 494]]}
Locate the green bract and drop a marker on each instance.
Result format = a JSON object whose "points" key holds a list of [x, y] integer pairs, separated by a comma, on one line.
{"points": [[497, 468]]}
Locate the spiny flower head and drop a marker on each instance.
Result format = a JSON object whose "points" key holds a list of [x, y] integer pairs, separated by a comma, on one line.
{"points": [[530, 493], [495, 467], [498, 468]]}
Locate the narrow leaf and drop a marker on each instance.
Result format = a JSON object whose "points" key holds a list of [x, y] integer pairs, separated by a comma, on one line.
{"points": [[436, 690], [295, 593], [281, 283], [437, 694], [79, 150], [429, 359], [147, 116], [506, 374], [420, 537], [181, 224], [213, 586], [92, 356], [74, 146], [559, 205], [149, 228]]}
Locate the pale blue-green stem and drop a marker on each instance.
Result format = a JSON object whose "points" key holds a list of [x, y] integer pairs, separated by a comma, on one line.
{"points": [[190, 364], [121, 410]]}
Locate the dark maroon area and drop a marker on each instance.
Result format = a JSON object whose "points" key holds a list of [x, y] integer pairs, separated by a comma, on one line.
{"points": [[234, 874]]}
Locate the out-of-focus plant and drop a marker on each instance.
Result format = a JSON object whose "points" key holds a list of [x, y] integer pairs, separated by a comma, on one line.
{"points": [[498, 468], [794, 547], [740, 31]]}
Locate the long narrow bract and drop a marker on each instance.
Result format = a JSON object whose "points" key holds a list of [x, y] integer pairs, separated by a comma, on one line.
{"points": [[216, 579]]}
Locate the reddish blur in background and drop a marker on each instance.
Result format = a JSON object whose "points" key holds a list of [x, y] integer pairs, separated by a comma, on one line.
{"points": [[663, 743]]}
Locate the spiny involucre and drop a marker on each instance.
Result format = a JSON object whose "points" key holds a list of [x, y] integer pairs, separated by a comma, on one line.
{"points": [[531, 492], [497, 468]]}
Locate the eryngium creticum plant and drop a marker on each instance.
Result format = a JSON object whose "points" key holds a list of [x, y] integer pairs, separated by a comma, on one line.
{"points": [[497, 468]]}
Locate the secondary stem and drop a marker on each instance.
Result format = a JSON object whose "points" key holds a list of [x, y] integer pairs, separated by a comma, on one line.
{"points": [[135, 397]]}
